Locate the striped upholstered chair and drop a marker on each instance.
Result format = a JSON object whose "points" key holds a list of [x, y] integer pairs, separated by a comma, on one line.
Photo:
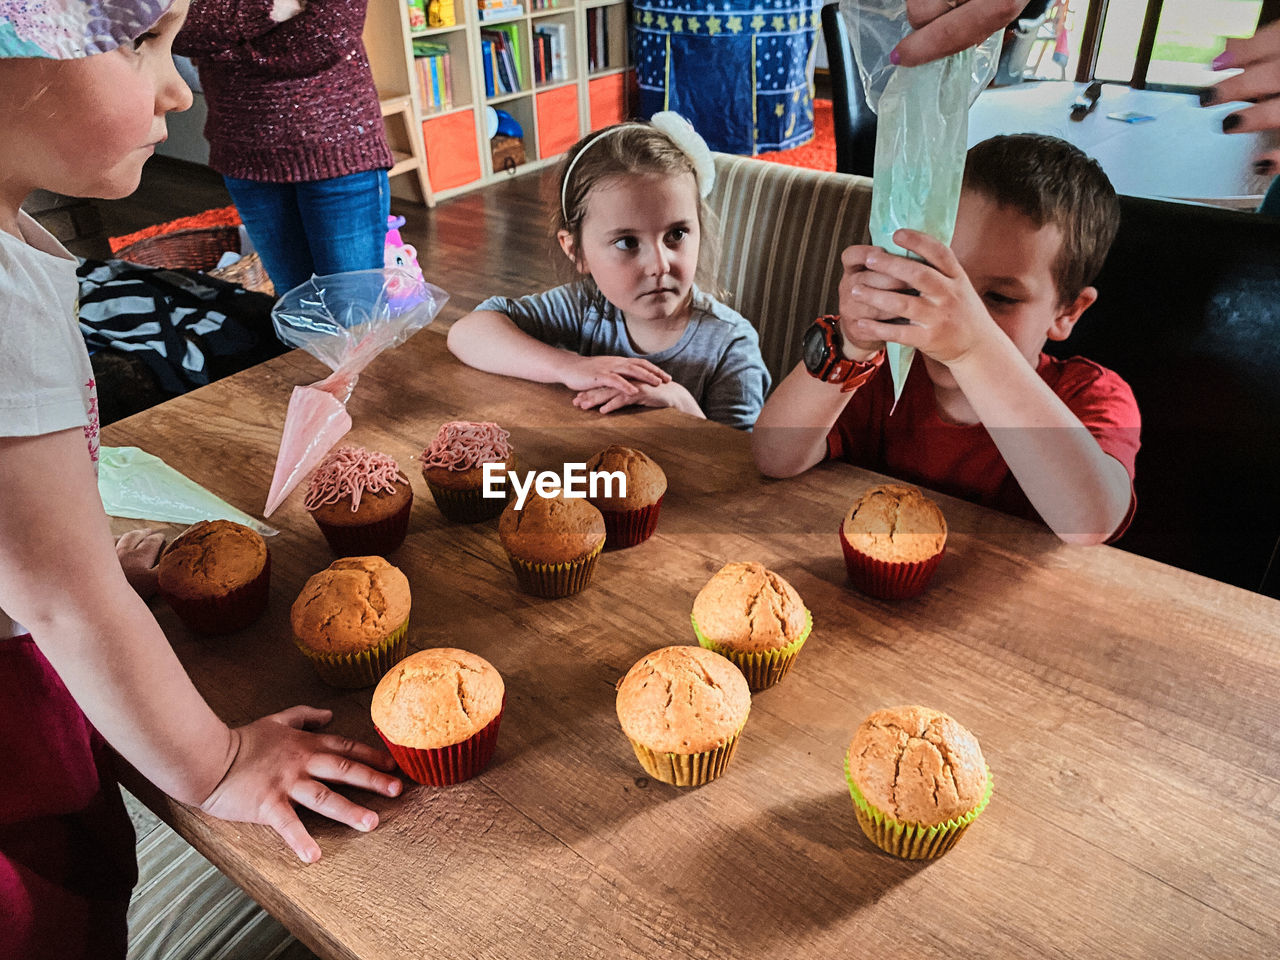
{"points": [[782, 231], [184, 909]]}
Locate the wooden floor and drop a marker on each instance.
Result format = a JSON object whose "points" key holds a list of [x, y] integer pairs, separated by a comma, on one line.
{"points": [[463, 244]]}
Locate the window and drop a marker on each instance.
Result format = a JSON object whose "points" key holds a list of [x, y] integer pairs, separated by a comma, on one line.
{"points": [[1164, 43]]}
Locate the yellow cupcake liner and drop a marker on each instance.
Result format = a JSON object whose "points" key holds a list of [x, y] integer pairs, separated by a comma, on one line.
{"points": [[553, 580], [687, 769], [762, 668], [911, 841], [362, 669]]}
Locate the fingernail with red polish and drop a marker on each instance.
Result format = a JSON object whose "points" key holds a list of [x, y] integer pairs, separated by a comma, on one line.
{"points": [[1223, 61], [1230, 122], [895, 57]]}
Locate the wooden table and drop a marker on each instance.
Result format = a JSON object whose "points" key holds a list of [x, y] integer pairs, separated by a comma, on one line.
{"points": [[1130, 713]]}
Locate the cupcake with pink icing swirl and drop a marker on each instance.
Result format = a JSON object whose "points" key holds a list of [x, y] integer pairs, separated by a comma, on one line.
{"points": [[361, 501], [453, 466]]}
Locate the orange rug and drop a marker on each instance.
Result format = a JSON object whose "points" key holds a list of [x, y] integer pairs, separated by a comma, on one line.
{"points": [[820, 152], [220, 217]]}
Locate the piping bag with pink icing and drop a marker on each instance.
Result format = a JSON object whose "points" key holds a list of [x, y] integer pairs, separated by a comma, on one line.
{"points": [[344, 320]]}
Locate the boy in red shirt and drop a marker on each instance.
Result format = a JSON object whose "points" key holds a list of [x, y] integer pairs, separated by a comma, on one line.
{"points": [[985, 414]]}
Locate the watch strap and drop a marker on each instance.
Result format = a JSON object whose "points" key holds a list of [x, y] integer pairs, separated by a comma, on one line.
{"points": [[860, 371]]}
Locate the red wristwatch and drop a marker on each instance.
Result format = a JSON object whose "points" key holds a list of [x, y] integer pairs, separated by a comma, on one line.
{"points": [[825, 361]]}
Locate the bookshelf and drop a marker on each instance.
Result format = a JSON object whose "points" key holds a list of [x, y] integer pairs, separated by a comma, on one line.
{"points": [[555, 104]]}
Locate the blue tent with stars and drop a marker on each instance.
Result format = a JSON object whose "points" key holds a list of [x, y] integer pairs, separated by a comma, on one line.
{"points": [[739, 71]]}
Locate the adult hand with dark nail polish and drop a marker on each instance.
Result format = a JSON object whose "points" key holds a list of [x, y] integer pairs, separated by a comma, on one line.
{"points": [[1258, 58]]}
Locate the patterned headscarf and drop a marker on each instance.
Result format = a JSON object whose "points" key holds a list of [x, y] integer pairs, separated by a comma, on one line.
{"points": [[67, 29]]}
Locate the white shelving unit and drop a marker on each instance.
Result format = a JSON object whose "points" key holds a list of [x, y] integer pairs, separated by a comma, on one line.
{"points": [[552, 115]]}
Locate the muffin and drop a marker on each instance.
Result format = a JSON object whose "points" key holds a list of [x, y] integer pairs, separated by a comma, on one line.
{"points": [[453, 466], [351, 620], [917, 779], [683, 708], [893, 538], [360, 501], [553, 544], [629, 518], [438, 712], [753, 617], [216, 576]]}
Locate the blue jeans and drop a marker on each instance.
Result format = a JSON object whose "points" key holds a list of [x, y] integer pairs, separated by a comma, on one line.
{"points": [[316, 227]]}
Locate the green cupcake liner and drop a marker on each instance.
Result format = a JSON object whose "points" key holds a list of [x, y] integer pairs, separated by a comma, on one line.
{"points": [[554, 580], [686, 769], [762, 668], [911, 841], [362, 669]]}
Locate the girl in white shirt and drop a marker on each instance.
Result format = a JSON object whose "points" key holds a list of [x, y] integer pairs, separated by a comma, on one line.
{"points": [[84, 90]]}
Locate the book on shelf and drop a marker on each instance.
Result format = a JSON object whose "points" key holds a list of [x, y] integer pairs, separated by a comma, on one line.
{"points": [[512, 32], [597, 39], [490, 79], [539, 61], [494, 14], [543, 4], [556, 36], [434, 74], [503, 52], [436, 82]]}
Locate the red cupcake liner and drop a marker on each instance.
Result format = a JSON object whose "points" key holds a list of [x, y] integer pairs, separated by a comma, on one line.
{"points": [[626, 528], [368, 539], [885, 580], [233, 611], [448, 765]]}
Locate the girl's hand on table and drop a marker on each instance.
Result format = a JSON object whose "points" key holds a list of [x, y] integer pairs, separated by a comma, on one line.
{"points": [[138, 551], [621, 374], [670, 394], [277, 763]]}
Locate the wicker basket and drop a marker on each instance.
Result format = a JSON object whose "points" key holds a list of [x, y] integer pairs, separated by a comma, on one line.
{"points": [[249, 272], [200, 249]]}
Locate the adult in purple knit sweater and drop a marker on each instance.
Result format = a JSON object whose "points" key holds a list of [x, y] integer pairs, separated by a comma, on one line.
{"points": [[295, 130]]}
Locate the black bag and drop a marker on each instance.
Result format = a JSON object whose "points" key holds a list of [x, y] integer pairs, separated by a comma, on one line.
{"points": [[154, 333]]}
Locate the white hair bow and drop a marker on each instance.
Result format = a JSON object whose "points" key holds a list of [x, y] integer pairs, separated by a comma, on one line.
{"points": [[691, 144]]}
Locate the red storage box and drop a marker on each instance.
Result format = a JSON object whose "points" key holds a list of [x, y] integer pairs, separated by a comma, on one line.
{"points": [[557, 120], [453, 159], [608, 98]]}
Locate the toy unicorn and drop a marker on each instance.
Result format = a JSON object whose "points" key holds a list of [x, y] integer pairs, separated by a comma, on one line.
{"points": [[397, 253]]}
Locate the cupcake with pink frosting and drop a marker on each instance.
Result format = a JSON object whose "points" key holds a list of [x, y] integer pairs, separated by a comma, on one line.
{"points": [[360, 501], [453, 466]]}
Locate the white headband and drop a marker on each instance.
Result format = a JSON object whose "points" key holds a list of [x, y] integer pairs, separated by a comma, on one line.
{"points": [[678, 130]]}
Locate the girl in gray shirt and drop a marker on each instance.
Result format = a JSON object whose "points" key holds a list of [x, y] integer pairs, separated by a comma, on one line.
{"points": [[634, 329]]}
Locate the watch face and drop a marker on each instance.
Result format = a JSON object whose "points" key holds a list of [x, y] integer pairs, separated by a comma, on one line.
{"points": [[816, 350]]}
